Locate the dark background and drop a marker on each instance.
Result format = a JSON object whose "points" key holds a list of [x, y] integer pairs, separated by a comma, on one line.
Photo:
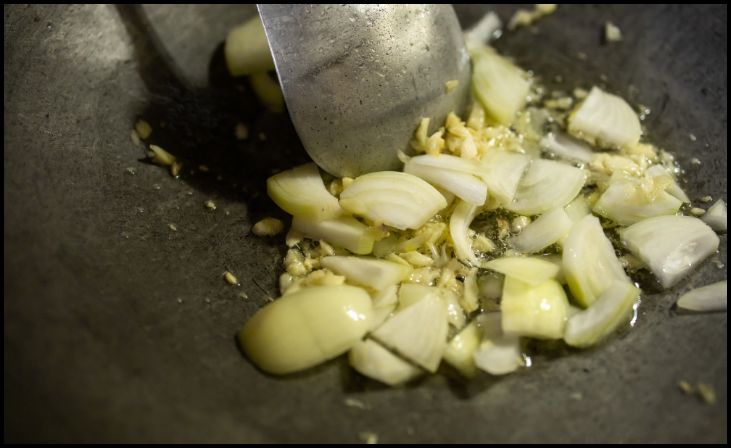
{"points": [[118, 329]]}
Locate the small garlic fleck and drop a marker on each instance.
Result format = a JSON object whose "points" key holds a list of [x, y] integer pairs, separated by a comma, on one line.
{"points": [[451, 85], [143, 129], [135, 137], [685, 387], [707, 393], [369, 437], [696, 211], [210, 204], [692, 137], [612, 33], [230, 278], [161, 157], [267, 227], [241, 131], [173, 227], [706, 199], [175, 168]]}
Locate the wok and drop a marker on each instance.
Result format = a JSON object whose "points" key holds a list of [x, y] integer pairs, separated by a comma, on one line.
{"points": [[118, 328]]}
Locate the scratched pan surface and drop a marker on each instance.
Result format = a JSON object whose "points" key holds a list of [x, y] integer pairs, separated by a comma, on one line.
{"points": [[118, 328]]}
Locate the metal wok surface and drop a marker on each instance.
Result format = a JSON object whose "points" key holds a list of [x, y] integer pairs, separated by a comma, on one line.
{"points": [[117, 328]]}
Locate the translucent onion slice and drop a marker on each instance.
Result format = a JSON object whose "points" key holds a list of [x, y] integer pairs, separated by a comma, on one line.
{"points": [[370, 272], [546, 184], [577, 209], [706, 298], [538, 311], [716, 216], [611, 308], [659, 171], [498, 353], [454, 174], [589, 262], [267, 91], [374, 361], [344, 231], [302, 193], [549, 228], [670, 245], [410, 293], [461, 349], [605, 120], [396, 199], [246, 49], [482, 32], [502, 171], [626, 203], [531, 270], [380, 315], [455, 314], [469, 300], [307, 327], [567, 148], [386, 297], [418, 332], [459, 222], [498, 84]]}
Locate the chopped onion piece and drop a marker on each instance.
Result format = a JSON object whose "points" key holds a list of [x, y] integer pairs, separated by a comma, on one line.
{"points": [[577, 209], [302, 193], [567, 148], [589, 262], [482, 32], [246, 49], [344, 231], [558, 261], [670, 245], [396, 199], [386, 297], [380, 315], [706, 298], [371, 272], [374, 361], [716, 216], [462, 347], [605, 120], [418, 332], [498, 353], [469, 300], [491, 286], [307, 327], [499, 85], [531, 270], [455, 313], [460, 221], [546, 184], [410, 293], [673, 188], [610, 309], [454, 174], [502, 171], [549, 228], [625, 202], [267, 91], [537, 311]]}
